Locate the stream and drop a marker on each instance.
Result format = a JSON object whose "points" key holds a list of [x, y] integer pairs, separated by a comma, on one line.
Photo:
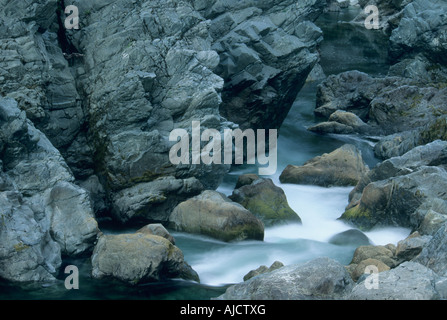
{"points": [[219, 264]]}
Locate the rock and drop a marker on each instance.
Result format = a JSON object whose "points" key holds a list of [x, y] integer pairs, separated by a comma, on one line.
{"points": [[138, 258], [380, 253], [319, 279], [387, 105], [246, 179], [157, 229], [421, 29], [433, 254], [390, 13], [73, 225], [266, 53], [27, 251], [265, 200], [350, 237], [213, 214], [400, 191], [408, 281], [358, 270], [263, 269], [153, 201], [411, 246], [342, 167], [34, 181]]}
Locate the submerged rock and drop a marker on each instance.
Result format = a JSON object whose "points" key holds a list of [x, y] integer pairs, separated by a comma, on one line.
{"points": [[342, 167], [265, 200], [213, 214], [350, 237], [138, 258]]}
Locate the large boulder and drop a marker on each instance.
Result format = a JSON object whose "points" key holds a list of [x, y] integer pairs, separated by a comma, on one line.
{"points": [[265, 200], [73, 224], [404, 191], [211, 213], [153, 201], [395, 201], [408, 281], [342, 167], [433, 255], [138, 258], [319, 279]]}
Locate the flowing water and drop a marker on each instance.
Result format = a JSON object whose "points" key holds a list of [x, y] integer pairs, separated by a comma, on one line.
{"points": [[219, 264]]}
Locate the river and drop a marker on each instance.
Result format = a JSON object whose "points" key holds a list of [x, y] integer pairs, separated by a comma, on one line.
{"points": [[219, 264]]}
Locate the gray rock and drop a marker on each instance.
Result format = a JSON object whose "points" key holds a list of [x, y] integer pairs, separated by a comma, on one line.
{"points": [[153, 201], [36, 180], [73, 225], [421, 29], [158, 230], [27, 250], [138, 258], [433, 255], [410, 247], [395, 201], [213, 214], [387, 105], [266, 53], [319, 279], [350, 237], [342, 167], [408, 281]]}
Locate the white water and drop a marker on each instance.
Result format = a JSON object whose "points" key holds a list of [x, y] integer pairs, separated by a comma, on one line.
{"points": [[219, 263]]}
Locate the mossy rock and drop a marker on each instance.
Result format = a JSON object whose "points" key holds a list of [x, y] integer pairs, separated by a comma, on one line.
{"points": [[265, 200]]}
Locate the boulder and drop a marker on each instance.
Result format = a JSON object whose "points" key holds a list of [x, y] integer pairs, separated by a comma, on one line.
{"points": [[349, 238], [138, 258], [319, 279], [401, 191], [342, 167], [433, 254], [213, 214], [341, 122], [157, 229], [153, 201], [408, 281], [380, 253], [73, 224], [265, 200], [358, 270], [410, 247]]}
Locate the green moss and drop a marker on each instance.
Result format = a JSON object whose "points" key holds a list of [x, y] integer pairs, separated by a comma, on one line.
{"points": [[355, 213], [18, 247], [438, 130]]}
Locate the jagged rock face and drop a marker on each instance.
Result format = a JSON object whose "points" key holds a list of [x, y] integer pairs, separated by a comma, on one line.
{"points": [[422, 29], [266, 52], [44, 215], [108, 94]]}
